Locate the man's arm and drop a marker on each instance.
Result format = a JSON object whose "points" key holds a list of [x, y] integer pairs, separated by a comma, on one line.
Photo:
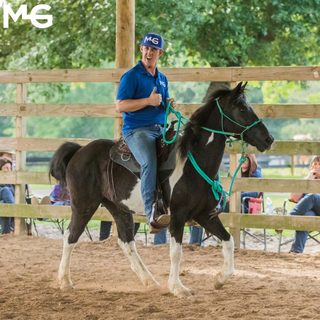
{"points": [[131, 105]]}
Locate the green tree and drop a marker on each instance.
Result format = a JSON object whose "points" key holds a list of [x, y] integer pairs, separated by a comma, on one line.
{"points": [[197, 33]]}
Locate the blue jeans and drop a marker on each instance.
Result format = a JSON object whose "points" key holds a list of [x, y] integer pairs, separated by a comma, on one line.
{"points": [[6, 223], [196, 235], [307, 206], [142, 143], [160, 237]]}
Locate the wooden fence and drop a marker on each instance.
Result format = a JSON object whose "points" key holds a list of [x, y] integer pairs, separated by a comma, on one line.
{"points": [[20, 110]]}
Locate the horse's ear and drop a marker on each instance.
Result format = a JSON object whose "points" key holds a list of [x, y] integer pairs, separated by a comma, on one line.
{"points": [[238, 89], [244, 86]]}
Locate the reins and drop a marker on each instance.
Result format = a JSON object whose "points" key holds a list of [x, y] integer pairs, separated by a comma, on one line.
{"points": [[216, 186]]}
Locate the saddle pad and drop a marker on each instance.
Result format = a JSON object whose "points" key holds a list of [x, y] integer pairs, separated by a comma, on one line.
{"points": [[128, 161]]}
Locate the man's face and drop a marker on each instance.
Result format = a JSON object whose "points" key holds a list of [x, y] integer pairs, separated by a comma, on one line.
{"points": [[150, 56]]}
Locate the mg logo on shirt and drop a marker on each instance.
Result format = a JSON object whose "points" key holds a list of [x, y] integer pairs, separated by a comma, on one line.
{"points": [[163, 83], [153, 40]]}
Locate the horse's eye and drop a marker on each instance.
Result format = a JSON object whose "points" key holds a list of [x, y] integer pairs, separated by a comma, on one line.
{"points": [[243, 110]]}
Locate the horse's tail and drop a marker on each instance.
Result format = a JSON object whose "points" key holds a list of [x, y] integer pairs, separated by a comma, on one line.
{"points": [[60, 161]]}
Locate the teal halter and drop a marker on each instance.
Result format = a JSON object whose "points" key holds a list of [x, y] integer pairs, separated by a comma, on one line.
{"points": [[216, 186]]}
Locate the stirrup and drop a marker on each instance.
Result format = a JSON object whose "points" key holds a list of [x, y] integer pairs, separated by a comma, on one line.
{"points": [[159, 212]]}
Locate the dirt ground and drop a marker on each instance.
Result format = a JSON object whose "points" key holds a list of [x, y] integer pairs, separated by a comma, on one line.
{"points": [[265, 285]]}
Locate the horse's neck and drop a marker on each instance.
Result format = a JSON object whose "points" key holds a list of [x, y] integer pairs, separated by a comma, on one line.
{"points": [[210, 152]]}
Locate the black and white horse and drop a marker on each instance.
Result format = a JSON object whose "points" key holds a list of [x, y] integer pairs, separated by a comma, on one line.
{"points": [[85, 171]]}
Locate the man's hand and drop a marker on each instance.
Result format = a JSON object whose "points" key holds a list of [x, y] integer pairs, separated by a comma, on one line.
{"points": [[155, 98], [173, 103]]}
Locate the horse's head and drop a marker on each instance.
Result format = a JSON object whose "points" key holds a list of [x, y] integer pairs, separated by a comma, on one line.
{"points": [[235, 106]]}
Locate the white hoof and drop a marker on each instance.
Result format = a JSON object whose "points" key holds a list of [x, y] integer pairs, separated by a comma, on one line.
{"points": [[180, 291], [220, 280], [65, 282]]}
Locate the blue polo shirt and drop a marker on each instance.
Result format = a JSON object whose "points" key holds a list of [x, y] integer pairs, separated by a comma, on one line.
{"points": [[138, 83]]}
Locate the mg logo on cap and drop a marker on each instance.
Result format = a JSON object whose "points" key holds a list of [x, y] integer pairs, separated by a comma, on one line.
{"points": [[153, 40]]}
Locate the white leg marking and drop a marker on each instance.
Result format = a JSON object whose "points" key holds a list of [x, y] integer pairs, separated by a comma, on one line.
{"points": [[64, 270], [137, 265], [228, 264], [175, 286]]}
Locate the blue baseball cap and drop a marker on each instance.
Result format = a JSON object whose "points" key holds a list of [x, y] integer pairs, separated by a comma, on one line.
{"points": [[152, 40]]}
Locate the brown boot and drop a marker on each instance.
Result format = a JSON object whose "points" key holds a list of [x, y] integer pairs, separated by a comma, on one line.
{"points": [[153, 230]]}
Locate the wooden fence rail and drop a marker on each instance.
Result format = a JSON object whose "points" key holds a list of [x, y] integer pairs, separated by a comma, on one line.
{"points": [[287, 111], [228, 219], [228, 74]]}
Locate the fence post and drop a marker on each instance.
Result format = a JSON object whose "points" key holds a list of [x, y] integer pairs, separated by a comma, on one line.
{"points": [[235, 198], [125, 28], [20, 226]]}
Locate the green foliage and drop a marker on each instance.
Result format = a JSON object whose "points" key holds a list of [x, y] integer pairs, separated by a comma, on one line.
{"points": [[198, 33]]}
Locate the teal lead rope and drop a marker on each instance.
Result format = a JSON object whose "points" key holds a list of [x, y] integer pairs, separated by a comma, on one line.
{"points": [[216, 186]]}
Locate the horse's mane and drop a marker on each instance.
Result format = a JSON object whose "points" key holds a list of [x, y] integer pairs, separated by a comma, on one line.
{"points": [[192, 130]]}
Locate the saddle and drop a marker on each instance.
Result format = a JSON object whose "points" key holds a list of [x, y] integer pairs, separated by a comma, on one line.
{"points": [[166, 156]]}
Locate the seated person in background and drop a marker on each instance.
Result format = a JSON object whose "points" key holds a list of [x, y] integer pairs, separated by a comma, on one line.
{"points": [[249, 169], [6, 196], [57, 199], [307, 205]]}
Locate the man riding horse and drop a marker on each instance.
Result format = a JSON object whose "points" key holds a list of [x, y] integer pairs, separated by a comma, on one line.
{"points": [[141, 98]]}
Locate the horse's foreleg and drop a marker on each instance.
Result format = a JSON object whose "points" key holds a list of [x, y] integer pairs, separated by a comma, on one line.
{"points": [[215, 227], [64, 270], [228, 264]]}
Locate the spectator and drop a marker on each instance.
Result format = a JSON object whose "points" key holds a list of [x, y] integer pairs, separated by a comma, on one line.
{"points": [[58, 199], [307, 205], [6, 196], [249, 168]]}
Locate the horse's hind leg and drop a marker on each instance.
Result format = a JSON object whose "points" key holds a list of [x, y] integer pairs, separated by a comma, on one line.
{"points": [[79, 220], [126, 242], [215, 227]]}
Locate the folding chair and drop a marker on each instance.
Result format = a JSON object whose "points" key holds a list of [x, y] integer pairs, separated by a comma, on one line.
{"points": [[284, 212], [256, 206]]}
